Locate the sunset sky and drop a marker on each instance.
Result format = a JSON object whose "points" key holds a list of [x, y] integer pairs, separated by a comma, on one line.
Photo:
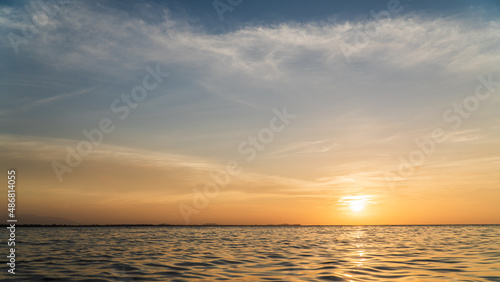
{"points": [[252, 112]]}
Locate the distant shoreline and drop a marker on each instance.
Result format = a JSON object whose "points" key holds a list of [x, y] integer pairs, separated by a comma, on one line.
{"points": [[221, 225]]}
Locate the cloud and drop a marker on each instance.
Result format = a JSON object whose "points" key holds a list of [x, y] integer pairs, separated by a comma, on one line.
{"points": [[223, 87], [51, 149], [468, 135], [297, 64], [170, 172], [308, 147], [100, 39], [60, 97], [259, 66]]}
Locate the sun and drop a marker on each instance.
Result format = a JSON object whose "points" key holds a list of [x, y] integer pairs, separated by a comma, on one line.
{"points": [[355, 203], [357, 206]]}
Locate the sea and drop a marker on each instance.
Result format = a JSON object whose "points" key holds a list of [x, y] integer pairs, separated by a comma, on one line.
{"points": [[256, 253]]}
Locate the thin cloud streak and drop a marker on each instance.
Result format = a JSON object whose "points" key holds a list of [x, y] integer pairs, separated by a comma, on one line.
{"points": [[60, 97]]}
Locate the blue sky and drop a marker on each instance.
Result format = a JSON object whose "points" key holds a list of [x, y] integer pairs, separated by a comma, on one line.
{"points": [[357, 111]]}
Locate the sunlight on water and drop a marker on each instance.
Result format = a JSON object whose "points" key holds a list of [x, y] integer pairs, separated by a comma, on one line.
{"points": [[302, 253]]}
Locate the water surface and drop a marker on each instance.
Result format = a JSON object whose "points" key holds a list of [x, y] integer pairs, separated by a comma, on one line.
{"points": [[287, 253]]}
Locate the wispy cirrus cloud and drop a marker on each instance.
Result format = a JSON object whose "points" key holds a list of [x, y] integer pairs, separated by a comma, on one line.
{"points": [[308, 147], [60, 97]]}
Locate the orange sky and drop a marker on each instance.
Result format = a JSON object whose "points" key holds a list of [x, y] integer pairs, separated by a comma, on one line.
{"points": [[131, 126]]}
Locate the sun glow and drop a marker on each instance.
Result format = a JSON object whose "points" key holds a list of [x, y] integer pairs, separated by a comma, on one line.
{"points": [[356, 206], [355, 203]]}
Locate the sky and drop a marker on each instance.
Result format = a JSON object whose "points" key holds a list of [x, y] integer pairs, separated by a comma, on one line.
{"points": [[252, 112]]}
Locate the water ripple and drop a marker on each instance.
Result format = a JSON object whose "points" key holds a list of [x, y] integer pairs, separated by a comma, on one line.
{"points": [[298, 253]]}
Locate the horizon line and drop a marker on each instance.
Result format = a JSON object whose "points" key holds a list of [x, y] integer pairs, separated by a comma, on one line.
{"points": [[235, 225]]}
